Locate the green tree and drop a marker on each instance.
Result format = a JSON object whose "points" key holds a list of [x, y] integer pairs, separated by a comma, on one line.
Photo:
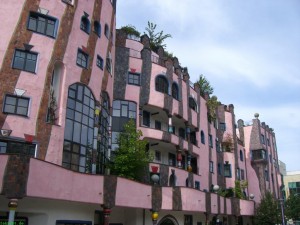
{"points": [[204, 85], [212, 104], [292, 207], [131, 30], [156, 38], [131, 158], [268, 212], [238, 190]]}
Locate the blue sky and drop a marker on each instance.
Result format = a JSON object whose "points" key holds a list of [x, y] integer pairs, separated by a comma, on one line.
{"points": [[248, 50]]}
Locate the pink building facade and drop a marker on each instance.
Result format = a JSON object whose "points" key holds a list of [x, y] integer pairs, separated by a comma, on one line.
{"points": [[68, 84]]}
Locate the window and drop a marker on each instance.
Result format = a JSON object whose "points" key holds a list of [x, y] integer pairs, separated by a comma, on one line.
{"points": [[238, 174], [161, 84], [157, 125], [210, 140], [192, 104], [227, 170], [85, 24], [188, 220], [109, 63], [146, 118], [181, 132], [193, 138], [266, 175], [134, 78], [172, 159], [106, 31], [17, 105], [202, 137], [157, 156], [211, 166], [259, 154], [197, 185], [171, 129], [78, 154], [218, 147], [242, 174], [294, 187], [219, 169], [97, 28], [223, 126], [42, 24], [82, 59], [15, 147], [262, 137], [99, 62], [175, 93], [70, 2], [241, 155], [25, 60]]}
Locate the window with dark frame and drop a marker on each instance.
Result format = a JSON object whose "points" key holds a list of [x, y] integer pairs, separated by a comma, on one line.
{"points": [[16, 105], [210, 140], [242, 174], [202, 137], [193, 138], [82, 59], [106, 31], [211, 166], [146, 118], [188, 220], [100, 62], [172, 159], [227, 170], [157, 156], [15, 147], [175, 92], [222, 126], [241, 155], [85, 25], [134, 78], [97, 28], [157, 125], [161, 84], [42, 24], [219, 169], [181, 132], [192, 104], [262, 138], [25, 60]]}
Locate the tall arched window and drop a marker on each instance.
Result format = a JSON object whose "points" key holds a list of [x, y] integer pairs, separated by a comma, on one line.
{"points": [[161, 84], [79, 129], [175, 92], [202, 137], [241, 155], [85, 24], [192, 104]]}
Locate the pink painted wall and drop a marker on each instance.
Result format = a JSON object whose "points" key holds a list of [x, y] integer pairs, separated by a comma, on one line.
{"points": [[136, 45], [55, 182], [222, 206], [133, 194], [151, 133], [247, 208], [3, 162], [6, 11], [228, 206], [214, 203], [193, 200], [167, 198], [229, 156]]}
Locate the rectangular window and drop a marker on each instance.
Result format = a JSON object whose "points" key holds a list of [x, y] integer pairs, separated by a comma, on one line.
{"points": [[42, 24], [109, 64], [218, 148], [157, 156], [82, 59], [100, 62], [219, 169], [242, 174], [210, 139], [172, 159], [14, 104], [266, 175], [13, 147], [25, 60], [181, 132], [258, 154], [193, 138], [157, 125], [188, 220], [227, 170], [134, 78], [222, 126], [146, 118], [211, 166], [262, 139], [197, 185], [238, 174]]}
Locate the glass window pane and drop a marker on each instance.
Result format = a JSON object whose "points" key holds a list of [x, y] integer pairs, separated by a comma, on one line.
{"points": [[71, 93], [79, 106], [19, 63], [70, 113], [84, 133], [9, 109], [50, 28], [30, 65], [23, 102], [116, 112], [124, 110], [76, 133], [69, 130], [66, 157], [86, 110], [22, 111], [85, 120], [77, 116], [32, 23], [79, 92]]}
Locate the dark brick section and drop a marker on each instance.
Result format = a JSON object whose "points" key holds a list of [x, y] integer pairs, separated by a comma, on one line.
{"points": [[16, 176], [208, 203], [164, 175], [43, 131], [156, 198], [121, 71], [110, 187], [181, 143], [240, 124], [225, 206], [235, 203], [145, 75], [190, 180], [180, 83], [91, 45], [177, 201], [166, 137], [219, 203], [120, 38], [168, 99], [255, 139], [8, 76]]}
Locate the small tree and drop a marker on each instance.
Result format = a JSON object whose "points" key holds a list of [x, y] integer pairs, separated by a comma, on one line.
{"points": [[268, 213], [204, 85], [292, 207], [212, 104], [131, 158], [131, 30], [156, 38]]}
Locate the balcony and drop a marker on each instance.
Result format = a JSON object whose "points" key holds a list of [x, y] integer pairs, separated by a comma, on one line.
{"points": [[259, 156]]}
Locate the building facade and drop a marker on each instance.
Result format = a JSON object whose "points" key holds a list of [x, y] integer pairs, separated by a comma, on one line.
{"points": [[291, 182], [69, 82]]}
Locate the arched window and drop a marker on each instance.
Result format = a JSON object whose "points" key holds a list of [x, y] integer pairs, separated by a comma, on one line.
{"points": [[79, 130], [161, 84], [97, 28], [202, 137], [106, 31], [168, 220], [241, 155], [192, 104], [175, 93], [85, 24]]}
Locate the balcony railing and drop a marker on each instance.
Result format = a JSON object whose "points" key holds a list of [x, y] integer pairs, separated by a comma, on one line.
{"points": [[134, 53]]}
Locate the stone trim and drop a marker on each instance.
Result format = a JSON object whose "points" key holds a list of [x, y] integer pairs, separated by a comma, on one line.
{"points": [[110, 188]]}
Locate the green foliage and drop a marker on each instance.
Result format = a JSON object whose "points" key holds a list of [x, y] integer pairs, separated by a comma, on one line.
{"points": [[168, 54], [227, 143], [156, 38], [212, 104], [268, 212], [238, 190], [292, 207], [131, 30], [204, 85], [131, 158], [227, 193]]}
